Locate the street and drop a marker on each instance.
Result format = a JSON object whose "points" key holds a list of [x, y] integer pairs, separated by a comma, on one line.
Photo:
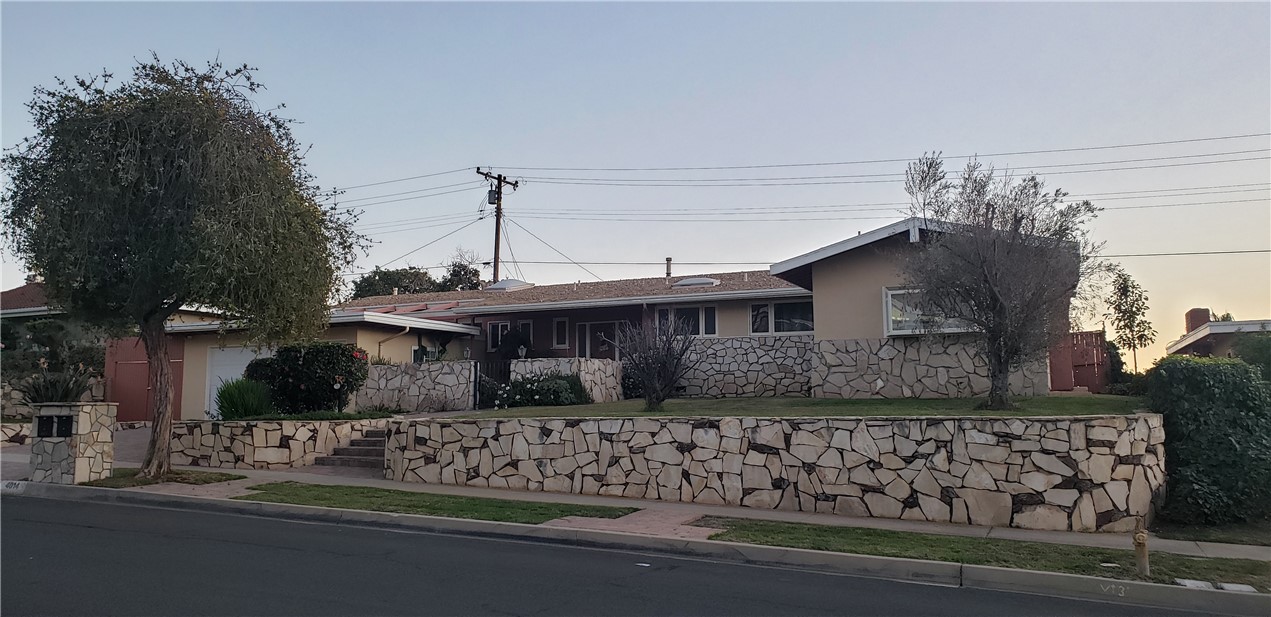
{"points": [[69, 558]]}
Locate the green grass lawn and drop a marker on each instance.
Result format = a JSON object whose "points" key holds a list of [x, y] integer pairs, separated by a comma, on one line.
{"points": [[371, 414], [407, 502], [989, 552], [802, 406], [1254, 532], [126, 477]]}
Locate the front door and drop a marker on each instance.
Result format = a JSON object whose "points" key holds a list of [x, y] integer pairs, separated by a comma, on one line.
{"points": [[602, 340]]}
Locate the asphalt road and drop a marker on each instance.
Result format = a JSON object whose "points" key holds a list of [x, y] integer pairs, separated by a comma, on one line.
{"points": [[69, 558]]}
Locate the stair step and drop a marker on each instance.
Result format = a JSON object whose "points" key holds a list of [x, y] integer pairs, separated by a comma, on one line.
{"points": [[367, 443], [350, 461], [375, 433], [377, 453]]}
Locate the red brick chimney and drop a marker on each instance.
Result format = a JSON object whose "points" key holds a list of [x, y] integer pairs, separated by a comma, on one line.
{"points": [[1196, 318]]}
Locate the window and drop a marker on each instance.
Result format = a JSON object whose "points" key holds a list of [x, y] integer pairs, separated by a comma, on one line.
{"points": [[560, 333], [698, 320], [781, 317], [419, 355], [495, 331], [903, 315], [526, 326]]}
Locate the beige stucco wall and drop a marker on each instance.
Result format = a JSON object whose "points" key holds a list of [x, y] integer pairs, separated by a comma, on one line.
{"points": [[848, 288]]}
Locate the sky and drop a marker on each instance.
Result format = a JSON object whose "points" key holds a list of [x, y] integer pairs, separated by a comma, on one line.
{"points": [[385, 91]]}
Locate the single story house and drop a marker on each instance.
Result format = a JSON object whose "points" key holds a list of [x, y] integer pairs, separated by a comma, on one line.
{"points": [[1207, 337]]}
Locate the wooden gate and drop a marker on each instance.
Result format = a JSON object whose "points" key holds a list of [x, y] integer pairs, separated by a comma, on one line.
{"points": [[128, 377]]}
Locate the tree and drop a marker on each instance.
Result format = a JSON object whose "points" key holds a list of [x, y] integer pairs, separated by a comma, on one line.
{"points": [[1255, 349], [385, 282], [1003, 260], [1128, 311], [1223, 317], [462, 273], [169, 189], [655, 354]]}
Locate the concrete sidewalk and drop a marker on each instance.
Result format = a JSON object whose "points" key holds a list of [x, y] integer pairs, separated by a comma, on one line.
{"points": [[660, 515]]}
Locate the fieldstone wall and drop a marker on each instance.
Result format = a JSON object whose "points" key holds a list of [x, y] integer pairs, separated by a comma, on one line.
{"points": [[749, 366], [11, 404], [15, 433], [912, 367], [87, 454], [262, 444], [429, 386], [1080, 473], [601, 378]]}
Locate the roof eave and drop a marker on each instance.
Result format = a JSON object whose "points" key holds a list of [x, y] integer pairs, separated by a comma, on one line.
{"points": [[783, 292]]}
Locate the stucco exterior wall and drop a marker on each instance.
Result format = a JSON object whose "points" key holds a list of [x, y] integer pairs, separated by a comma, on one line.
{"points": [[847, 290]]}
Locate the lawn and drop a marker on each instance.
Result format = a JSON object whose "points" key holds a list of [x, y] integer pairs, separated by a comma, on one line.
{"points": [[126, 477], [408, 502], [372, 414], [1254, 532], [989, 552], [802, 406]]}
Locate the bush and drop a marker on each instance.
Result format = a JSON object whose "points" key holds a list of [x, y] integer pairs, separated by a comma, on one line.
{"points": [[1255, 348], [64, 386], [318, 376], [1218, 428], [631, 386], [1134, 384], [550, 389], [243, 398]]}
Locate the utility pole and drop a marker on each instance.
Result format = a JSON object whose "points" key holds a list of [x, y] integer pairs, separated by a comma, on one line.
{"points": [[495, 197]]}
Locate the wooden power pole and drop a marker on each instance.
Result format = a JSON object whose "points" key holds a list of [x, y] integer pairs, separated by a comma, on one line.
{"points": [[495, 197]]}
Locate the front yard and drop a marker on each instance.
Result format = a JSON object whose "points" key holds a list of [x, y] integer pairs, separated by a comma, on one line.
{"points": [[802, 406]]}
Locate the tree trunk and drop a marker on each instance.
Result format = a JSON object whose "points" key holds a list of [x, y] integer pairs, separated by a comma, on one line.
{"points": [[999, 383], [1135, 352], [159, 453]]}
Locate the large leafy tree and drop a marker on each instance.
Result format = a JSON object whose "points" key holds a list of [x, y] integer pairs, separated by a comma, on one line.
{"points": [[1005, 261], [1127, 308], [384, 282], [173, 188]]}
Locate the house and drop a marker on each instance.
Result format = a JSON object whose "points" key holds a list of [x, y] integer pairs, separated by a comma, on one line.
{"points": [[1207, 337], [834, 322]]}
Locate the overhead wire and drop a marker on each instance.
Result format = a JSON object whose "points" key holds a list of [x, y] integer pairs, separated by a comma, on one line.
{"points": [[430, 243], [558, 251], [419, 177]]}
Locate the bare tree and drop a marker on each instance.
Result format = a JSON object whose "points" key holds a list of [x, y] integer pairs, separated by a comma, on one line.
{"points": [[1002, 259], [656, 355]]}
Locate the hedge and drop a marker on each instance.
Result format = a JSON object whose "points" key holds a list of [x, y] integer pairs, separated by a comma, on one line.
{"points": [[308, 377], [1217, 417]]}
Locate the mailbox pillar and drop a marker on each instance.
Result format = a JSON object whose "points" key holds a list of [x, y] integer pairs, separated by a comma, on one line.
{"points": [[72, 442]]}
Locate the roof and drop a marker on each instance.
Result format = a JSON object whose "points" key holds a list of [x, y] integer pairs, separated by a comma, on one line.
{"points": [[1217, 328], [347, 317], [29, 297], [798, 270], [732, 285]]}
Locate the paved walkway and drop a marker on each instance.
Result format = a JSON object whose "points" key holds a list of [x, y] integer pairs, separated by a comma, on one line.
{"points": [[659, 517]]}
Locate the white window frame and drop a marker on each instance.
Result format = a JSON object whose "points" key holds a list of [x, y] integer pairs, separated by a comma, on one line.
{"points": [[556, 321], [887, 327], [504, 328], [701, 316], [772, 319]]}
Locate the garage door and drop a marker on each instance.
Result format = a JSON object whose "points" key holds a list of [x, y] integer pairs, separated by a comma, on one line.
{"points": [[224, 365]]}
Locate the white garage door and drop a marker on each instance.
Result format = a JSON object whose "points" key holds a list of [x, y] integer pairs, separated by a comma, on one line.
{"points": [[224, 365]]}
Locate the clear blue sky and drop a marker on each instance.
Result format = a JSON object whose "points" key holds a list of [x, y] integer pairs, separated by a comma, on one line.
{"points": [[400, 89]]}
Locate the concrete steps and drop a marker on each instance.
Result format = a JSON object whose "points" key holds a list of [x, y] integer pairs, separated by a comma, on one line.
{"points": [[366, 451], [350, 461]]}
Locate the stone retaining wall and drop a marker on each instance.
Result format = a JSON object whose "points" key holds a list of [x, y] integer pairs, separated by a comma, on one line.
{"points": [[1080, 473], [429, 386], [262, 444], [15, 433], [912, 367], [601, 378], [749, 366]]}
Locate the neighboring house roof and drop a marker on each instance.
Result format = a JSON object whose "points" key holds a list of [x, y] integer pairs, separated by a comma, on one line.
{"points": [[1217, 329], [25, 301], [798, 270], [732, 285], [339, 317]]}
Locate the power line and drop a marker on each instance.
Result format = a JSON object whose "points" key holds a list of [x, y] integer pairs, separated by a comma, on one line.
{"points": [[1184, 254], [389, 201], [894, 160], [440, 173], [428, 244], [556, 249], [423, 190]]}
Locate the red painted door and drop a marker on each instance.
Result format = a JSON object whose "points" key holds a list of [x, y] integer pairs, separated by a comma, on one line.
{"points": [[128, 377]]}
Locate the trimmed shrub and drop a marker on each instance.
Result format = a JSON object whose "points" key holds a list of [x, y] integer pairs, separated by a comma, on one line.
{"points": [[551, 389], [306, 377], [1135, 384], [1255, 348], [1217, 417], [243, 398]]}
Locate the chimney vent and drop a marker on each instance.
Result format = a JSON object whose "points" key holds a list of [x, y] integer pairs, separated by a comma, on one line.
{"points": [[394, 291], [668, 269], [1196, 318]]}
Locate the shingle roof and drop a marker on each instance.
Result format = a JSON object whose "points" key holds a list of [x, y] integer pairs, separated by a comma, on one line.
{"points": [[753, 280], [30, 295]]}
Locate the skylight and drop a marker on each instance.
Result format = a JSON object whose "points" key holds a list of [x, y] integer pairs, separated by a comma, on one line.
{"points": [[509, 285], [697, 281]]}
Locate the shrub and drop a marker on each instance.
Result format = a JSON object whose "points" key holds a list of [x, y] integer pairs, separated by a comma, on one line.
{"points": [[1218, 425], [550, 389], [631, 386], [488, 391], [1255, 348], [1134, 384], [243, 398], [381, 361], [318, 376], [65, 386]]}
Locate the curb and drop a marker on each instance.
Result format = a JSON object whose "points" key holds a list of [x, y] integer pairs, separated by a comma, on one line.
{"points": [[1073, 586]]}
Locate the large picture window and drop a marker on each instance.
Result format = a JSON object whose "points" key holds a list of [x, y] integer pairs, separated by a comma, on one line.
{"points": [[905, 317], [495, 331], [698, 320], [781, 317]]}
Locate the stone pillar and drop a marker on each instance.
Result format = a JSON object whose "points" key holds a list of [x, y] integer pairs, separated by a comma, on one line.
{"points": [[72, 442]]}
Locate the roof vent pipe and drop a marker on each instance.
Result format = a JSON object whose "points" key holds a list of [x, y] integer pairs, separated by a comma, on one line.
{"points": [[668, 269], [394, 291]]}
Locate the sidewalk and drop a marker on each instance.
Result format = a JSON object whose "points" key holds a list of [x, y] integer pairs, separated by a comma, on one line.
{"points": [[666, 518]]}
